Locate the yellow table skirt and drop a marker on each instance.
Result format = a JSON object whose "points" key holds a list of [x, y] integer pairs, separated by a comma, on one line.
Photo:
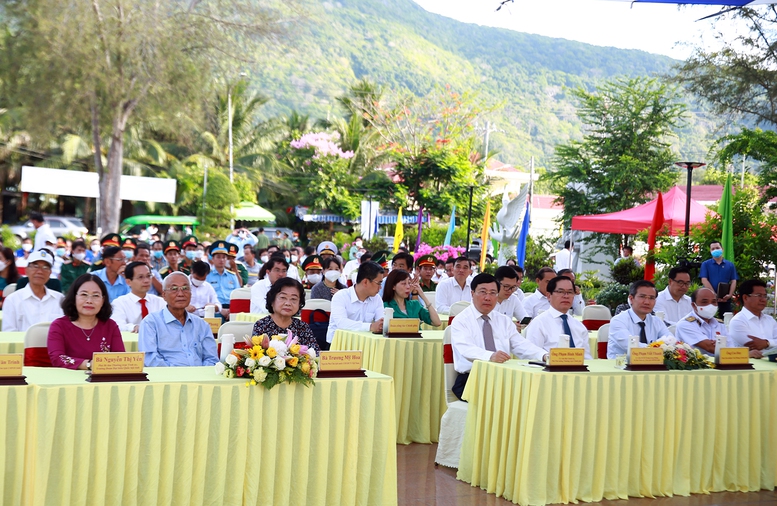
{"points": [[191, 437], [417, 368], [246, 317], [656, 434], [13, 342]]}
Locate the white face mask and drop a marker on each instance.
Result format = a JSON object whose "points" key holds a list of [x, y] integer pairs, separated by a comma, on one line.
{"points": [[359, 254], [440, 272], [196, 282], [332, 276], [3, 265], [79, 256], [294, 258], [313, 278], [27, 247], [358, 244], [264, 259], [707, 312], [95, 248]]}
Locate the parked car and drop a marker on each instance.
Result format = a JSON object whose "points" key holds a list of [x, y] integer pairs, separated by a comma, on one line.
{"points": [[60, 226]]}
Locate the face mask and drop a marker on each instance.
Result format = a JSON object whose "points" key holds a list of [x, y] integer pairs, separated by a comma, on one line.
{"points": [[359, 254], [3, 265], [79, 256], [196, 282], [159, 254], [294, 258], [241, 235], [707, 312], [287, 259], [313, 278], [60, 252], [358, 244], [264, 259], [440, 272], [199, 253], [717, 253], [95, 248], [191, 255], [332, 276], [27, 247], [128, 254]]}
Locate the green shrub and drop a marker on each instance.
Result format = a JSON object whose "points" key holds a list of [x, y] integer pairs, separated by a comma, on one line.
{"points": [[9, 238], [612, 295], [528, 286], [626, 272]]}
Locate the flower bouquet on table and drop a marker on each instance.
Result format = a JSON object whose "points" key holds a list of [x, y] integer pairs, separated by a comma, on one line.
{"points": [[269, 361], [681, 356]]}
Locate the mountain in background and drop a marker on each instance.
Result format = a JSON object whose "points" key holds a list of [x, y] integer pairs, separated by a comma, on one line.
{"points": [[398, 44]]}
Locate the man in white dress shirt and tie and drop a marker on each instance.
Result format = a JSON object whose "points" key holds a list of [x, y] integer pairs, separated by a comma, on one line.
{"points": [[130, 309], [537, 302], [545, 330], [507, 302], [672, 300], [751, 327], [578, 304], [359, 307], [454, 289], [637, 321], [480, 333]]}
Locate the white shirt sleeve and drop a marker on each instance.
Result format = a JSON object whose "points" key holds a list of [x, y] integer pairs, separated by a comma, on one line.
{"points": [[339, 319], [120, 315], [442, 296], [259, 297], [10, 314]]}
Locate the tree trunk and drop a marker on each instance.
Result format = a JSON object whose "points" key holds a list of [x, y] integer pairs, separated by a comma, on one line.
{"points": [[110, 184]]}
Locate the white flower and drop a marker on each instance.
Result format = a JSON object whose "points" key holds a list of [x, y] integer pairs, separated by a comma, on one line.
{"points": [[250, 362], [260, 375], [670, 340], [311, 353], [265, 361], [279, 363], [231, 359], [279, 346], [220, 368]]}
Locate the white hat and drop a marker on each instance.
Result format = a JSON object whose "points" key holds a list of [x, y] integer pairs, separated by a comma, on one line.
{"points": [[41, 255]]}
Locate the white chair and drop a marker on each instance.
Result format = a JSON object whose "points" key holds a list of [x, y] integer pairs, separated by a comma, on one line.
{"points": [[456, 308], [602, 339], [9, 289], [240, 301], [238, 329], [673, 329], [431, 296], [595, 316], [454, 419], [36, 351], [322, 304]]}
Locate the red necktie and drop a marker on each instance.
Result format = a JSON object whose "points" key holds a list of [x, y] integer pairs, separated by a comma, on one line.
{"points": [[143, 308]]}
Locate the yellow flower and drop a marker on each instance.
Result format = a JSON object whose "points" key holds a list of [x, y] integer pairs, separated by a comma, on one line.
{"points": [[276, 337], [257, 340], [294, 350], [292, 362], [256, 352], [305, 367], [253, 382], [271, 352]]}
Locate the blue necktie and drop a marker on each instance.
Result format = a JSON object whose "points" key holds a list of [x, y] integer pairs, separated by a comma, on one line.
{"points": [[567, 330], [642, 334]]}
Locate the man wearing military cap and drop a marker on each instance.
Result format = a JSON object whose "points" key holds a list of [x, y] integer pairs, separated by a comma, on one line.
{"points": [[108, 241], [381, 258], [221, 279], [129, 246], [313, 269], [425, 266], [234, 266], [326, 250], [173, 257], [188, 252]]}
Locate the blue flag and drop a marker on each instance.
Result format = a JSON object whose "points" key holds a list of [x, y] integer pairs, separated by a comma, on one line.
{"points": [[451, 227], [520, 254]]}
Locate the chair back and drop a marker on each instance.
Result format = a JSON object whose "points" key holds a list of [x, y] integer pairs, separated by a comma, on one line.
{"points": [[238, 329], [673, 329], [595, 316], [456, 308], [602, 339], [36, 351], [240, 300], [431, 296], [9, 289], [450, 372]]}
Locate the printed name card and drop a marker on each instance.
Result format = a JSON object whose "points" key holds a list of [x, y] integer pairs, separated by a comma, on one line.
{"points": [[340, 361], [215, 324], [566, 357], [11, 365], [404, 325], [117, 363], [734, 356], [646, 356]]}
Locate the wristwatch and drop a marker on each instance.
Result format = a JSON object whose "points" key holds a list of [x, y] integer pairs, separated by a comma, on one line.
{"points": [[88, 365]]}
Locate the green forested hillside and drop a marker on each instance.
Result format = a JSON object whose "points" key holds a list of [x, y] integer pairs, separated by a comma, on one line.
{"points": [[398, 44]]}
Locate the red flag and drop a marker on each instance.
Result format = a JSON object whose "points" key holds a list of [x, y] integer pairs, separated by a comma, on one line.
{"points": [[658, 224]]}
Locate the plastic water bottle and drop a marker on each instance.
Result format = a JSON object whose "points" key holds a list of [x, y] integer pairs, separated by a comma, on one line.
{"points": [[227, 345], [563, 341], [388, 314]]}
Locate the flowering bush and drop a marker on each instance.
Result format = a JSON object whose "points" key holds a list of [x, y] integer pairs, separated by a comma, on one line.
{"points": [[439, 252], [268, 361], [323, 144], [682, 356]]}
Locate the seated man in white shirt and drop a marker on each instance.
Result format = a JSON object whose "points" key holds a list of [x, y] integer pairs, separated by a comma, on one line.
{"points": [[275, 269], [481, 333], [34, 303], [545, 329], [359, 307], [637, 321], [578, 304], [130, 309], [751, 327], [454, 289], [672, 300], [203, 293], [507, 303], [518, 292], [538, 302], [699, 327]]}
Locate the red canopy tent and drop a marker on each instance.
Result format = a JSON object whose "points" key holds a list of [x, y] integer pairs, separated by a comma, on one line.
{"points": [[637, 219]]}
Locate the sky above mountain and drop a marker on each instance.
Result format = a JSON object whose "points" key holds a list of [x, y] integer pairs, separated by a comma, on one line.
{"points": [[657, 28]]}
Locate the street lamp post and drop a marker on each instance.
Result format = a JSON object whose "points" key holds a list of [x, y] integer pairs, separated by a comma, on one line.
{"points": [[231, 169], [689, 166], [469, 218]]}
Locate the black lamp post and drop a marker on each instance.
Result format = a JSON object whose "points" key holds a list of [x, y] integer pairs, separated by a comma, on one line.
{"points": [[469, 218], [689, 166]]}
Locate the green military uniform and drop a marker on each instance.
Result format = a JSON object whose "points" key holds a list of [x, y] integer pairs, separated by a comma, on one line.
{"points": [[167, 270], [262, 241], [242, 272], [426, 261], [70, 272]]}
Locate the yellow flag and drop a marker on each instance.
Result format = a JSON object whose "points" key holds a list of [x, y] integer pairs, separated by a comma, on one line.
{"points": [[484, 236], [399, 233]]}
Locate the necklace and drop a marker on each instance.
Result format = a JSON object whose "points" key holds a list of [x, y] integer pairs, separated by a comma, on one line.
{"points": [[88, 336]]}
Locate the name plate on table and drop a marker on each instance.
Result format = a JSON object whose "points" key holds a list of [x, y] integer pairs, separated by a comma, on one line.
{"points": [[117, 367], [215, 324], [646, 359], [11, 369], [404, 327], [733, 358], [566, 360], [340, 364]]}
